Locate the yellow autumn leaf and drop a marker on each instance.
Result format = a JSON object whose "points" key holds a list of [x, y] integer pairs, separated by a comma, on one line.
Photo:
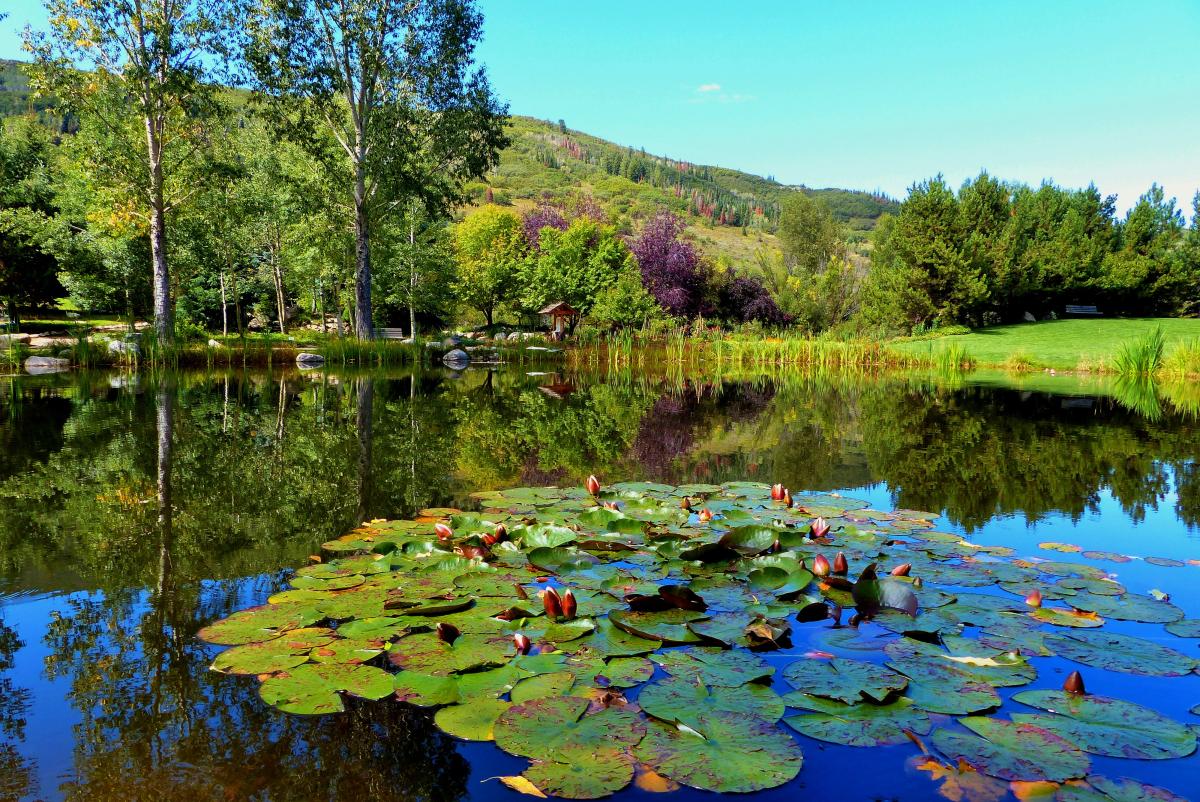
{"points": [[519, 783]]}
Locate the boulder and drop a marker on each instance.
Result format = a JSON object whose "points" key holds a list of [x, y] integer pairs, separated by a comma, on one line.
{"points": [[14, 339], [309, 359], [46, 364], [453, 341], [50, 342], [457, 359], [1029, 318], [124, 347], [213, 344]]}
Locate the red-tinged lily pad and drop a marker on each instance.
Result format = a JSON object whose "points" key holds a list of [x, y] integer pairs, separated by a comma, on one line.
{"points": [[315, 689], [1123, 653], [472, 721], [1068, 617], [668, 626], [845, 680], [1012, 751], [1128, 607], [602, 773], [725, 752], [997, 668], [679, 701], [259, 624], [861, 724], [558, 725], [428, 654], [1109, 727], [1103, 789]]}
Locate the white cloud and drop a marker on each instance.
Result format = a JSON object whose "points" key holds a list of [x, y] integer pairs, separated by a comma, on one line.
{"points": [[709, 88]]}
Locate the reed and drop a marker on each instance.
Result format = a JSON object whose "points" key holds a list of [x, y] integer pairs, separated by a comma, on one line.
{"points": [[1141, 357], [1183, 361]]}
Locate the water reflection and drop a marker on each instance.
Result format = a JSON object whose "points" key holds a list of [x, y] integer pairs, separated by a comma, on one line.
{"points": [[161, 505]]}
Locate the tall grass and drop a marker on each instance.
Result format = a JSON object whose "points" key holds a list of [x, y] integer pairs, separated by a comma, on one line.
{"points": [[1141, 357], [1183, 361]]}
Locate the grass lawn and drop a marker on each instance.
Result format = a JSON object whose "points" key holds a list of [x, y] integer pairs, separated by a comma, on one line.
{"points": [[1060, 344]]}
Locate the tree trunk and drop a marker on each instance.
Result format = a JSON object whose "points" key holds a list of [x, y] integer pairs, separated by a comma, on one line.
{"points": [[412, 277], [320, 297], [164, 310], [364, 420], [280, 292], [224, 308], [362, 248]]}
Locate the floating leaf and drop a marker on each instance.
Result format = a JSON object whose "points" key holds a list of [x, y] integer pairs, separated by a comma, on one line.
{"points": [[714, 666], [937, 687], [845, 680], [472, 721], [1105, 726], [669, 626], [725, 752], [557, 724], [558, 683], [1185, 628], [1059, 617], [677, 701], [1102, 789], [862, 724], [602, 773], [313, 689], [1123, 653], [1128, 607], [1012, 751]]}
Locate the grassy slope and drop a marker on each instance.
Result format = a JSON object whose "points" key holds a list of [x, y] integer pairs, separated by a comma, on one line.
{"points": [[1059, 344]]}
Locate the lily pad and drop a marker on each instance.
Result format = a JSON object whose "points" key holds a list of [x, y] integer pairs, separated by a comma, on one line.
{"points": [[668, 626], [1103, 789], [1185, 628], [1012, 751], [717, 667], [725, 752], [1109, 727], [314, 689], [1123, 653], [558, 724], [473, 721], [862, 724], [600, 774], [678, 701], [845, 680], [937, 687]]}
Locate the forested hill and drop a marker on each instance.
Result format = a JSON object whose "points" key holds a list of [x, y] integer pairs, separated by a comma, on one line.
{"points": [[548, 157]]}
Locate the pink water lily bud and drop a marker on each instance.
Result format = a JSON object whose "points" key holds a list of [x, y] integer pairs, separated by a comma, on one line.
{"points": [[819, 528], [1034, 599], [1074, 684], [820, 566], [552, 602], [593, 485], [903, 569], [568, 604], [447, 632], [787, 498], [840, 566], [776, 492], [444, 532], [501, 533], [522, 643], [705, 515]]}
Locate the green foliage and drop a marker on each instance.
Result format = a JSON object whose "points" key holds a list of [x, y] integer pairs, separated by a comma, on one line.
{"points": [[489, 244], [1141, 358], [624, 303], [576, 266]]}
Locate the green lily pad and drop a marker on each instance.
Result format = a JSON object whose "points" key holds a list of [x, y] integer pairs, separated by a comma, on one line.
{"points": [[603, 773], [473, 721], [317, 688], [678, 701], [1102, 789], [558, 724], [1060, 617], [612, 642], [997, 668], [717, 667], [1185, 628], [937, 687], [558, 683], [559, 560], [1123, 653], [1012, 751], [259, 624], [725, 752], [862, 724], [668, 626], [626, 672], [1128, 607], [843, 679], [428, 654], [425, 690], [1105, 726]]}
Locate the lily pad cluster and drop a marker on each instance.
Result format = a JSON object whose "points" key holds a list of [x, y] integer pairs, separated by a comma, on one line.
{"points": [[692, 634]]}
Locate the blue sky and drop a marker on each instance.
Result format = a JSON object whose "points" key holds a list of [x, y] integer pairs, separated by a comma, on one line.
{"points": [[870, 94]]}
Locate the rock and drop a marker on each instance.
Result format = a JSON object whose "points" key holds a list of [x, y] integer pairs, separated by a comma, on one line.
{"points": [[13, 339], [123, 347], [213, 344], [1029, 318], [50, 342], [407, 341], [433, 345], [258, 323], [453, 341], [309, 359], [46, 364], [457, 359]]}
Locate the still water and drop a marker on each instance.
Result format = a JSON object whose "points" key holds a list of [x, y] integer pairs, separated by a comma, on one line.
{"points": [[136, 510]]}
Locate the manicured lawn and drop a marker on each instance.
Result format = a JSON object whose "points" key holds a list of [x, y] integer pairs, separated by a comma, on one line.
{"points": [[1061, 344]]}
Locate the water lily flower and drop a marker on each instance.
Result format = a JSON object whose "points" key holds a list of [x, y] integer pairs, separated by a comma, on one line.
{"points": [[903, 569], [501, 533], [820, 566], [444, 532], [840, 566], [1034, 599], [1074, 684], [705, 515], [819, 528], [776, 492], [787, 498], [611, 505], [568, 604], [593, 485], [552, 602], [447, 632], [522, 643]]}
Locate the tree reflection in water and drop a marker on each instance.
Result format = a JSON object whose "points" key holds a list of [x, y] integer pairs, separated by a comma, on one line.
{"points": [[168, 504]]}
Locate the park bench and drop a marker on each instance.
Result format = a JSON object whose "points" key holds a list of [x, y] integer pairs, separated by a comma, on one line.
{"points": [[1082, 310], [390, 334]]}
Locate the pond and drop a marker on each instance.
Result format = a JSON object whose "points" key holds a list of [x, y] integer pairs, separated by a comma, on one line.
{"points": [[136, 510]]}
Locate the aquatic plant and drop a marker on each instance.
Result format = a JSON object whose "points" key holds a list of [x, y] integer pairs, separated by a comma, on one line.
{"points": [[1142, 357], [644, 628]]}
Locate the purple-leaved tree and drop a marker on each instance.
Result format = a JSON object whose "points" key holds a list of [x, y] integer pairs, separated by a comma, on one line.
{"points": [[670, 267], [544, 215]]}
